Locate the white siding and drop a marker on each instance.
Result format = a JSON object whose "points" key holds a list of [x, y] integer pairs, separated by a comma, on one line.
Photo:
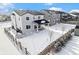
{"points": [[13, 18], [36, 17], [27, 22], [16, 22]]}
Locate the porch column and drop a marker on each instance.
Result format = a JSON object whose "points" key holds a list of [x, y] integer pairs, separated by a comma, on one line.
{"points": [[48, 25], [37, 27]]}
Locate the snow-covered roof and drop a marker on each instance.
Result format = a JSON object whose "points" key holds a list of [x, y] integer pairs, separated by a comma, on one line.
{"points": [[56, 11], [77, 11], [73, 15]]}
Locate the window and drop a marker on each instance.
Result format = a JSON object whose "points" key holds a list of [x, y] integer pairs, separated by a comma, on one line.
{"points": [[12, 27], [28, 26], [38, 17], [35, 26], [33, 17], [27, 18]]}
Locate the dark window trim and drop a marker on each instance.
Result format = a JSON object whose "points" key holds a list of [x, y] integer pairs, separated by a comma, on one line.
{"points": [[28, 26]]}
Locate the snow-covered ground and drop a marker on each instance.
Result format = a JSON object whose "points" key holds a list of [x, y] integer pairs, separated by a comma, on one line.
{"points": [[6, 46], [39, 41], [60, 28], [71, 48], [34, 43]]}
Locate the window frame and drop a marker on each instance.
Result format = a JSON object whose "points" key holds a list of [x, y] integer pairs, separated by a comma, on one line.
{"points": [[28, 26], [27, 18], [39, 17]]}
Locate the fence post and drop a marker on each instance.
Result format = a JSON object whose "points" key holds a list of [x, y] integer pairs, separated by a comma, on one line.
{"points": [[19, 43], [26, 51]]}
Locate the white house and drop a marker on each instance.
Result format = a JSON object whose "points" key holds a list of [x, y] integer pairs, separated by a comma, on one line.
{"points": [[27, 21]]}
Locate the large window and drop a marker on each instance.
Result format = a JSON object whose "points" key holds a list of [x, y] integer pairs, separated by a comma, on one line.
{"points": [[28, 26], [13, 14], [27, 18]]}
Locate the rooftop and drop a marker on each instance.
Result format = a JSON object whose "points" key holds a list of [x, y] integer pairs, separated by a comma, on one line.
{"points": [[54, 11], [22, 12]]}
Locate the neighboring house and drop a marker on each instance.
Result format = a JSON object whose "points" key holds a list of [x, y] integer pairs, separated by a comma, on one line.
{"points": [[27, 21], [52, 16], [66, 17], [76, 14], [4, 18]]}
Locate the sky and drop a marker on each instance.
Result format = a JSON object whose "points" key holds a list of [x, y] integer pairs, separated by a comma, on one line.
{"points": [[7, 7]]}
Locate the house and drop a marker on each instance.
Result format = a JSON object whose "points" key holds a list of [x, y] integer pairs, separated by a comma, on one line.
{"points": [[76, 15], [27, 21], [66, 16], [4, 18], [52, 16]]}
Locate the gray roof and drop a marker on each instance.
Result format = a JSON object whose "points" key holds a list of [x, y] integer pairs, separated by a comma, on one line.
{"points": [[22, 12], [54, 11], [75, 13]]}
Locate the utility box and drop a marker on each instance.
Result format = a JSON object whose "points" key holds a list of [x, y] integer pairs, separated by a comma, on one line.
{"points": [[76, 33]]}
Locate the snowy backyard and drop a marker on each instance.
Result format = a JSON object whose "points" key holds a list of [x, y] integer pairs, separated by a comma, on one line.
{"points": [[39, 41]]}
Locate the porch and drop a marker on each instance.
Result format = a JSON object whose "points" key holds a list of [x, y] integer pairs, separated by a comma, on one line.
{"points": [[38, 24]]}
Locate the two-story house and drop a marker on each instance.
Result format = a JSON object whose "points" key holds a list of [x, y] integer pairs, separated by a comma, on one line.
{"points": [[27, 21], [52, 16]]}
